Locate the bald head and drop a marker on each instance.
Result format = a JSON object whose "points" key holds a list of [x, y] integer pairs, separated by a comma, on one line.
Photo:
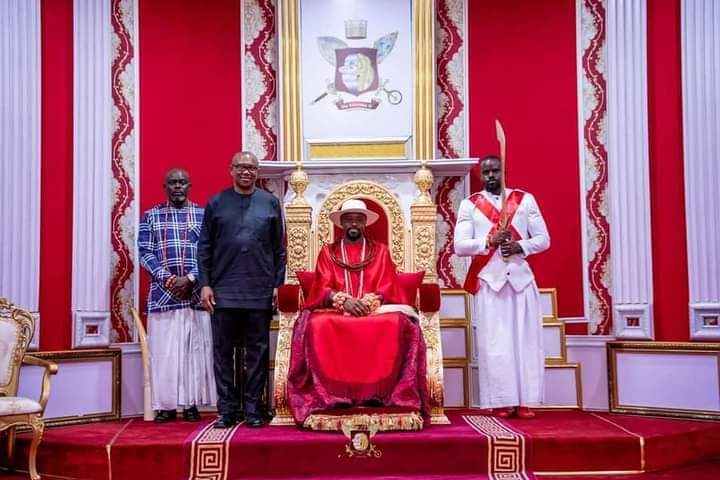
{"points": [[491, 173], [173, 172], [249, 156], [177, 185]]}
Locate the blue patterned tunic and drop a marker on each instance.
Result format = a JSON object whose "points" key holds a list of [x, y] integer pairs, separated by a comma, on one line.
{"points": [[167, 240]]}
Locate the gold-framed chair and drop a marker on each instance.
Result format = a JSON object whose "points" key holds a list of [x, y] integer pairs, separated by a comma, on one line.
{"points": [[16, 331], [411, 240]]}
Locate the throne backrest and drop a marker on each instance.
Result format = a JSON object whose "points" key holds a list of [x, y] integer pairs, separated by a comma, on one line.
{"points": [[390, 229], [16, 330]]}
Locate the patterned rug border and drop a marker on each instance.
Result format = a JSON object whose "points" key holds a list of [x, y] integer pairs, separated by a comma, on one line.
{"points": [[507, 452], [210, 452]]}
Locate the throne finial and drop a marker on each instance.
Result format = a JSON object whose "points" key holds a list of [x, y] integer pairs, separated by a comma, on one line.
{"points": [[298, 182], [423, 181]]}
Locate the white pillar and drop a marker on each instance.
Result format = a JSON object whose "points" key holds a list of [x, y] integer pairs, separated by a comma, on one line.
{"points": [[20, 154], [630, 234], [92, 201], [701, 127]]}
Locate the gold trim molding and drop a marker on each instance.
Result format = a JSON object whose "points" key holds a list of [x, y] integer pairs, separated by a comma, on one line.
{"points": [[373, 150], [291, 139], [379, 422], [290, 98], [562, 359], [588, 473], [578, 386], [430, 326], [282, 367], [111, 355], [424, 79], [298, 219], [424, 255], [682, 348], [553, 299]]}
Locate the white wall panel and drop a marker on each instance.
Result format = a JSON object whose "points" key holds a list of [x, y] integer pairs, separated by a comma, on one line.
{"points": [[628, 168], [553, 341], [453, 379], [20, 65], [131, 390], [701, 127], [93, 378], [454, 343], [590, 351], [688, 381], [92, 195], [561, 387]]}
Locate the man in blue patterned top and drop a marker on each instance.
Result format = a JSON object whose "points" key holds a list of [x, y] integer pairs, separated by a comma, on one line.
{"points": [[179, 331]]}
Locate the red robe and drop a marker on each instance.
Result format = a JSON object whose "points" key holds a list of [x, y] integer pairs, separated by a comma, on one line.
{"points": [[339, 360]]}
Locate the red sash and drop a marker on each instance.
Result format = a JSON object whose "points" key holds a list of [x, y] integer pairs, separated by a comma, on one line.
{"points": [[472, 282]]}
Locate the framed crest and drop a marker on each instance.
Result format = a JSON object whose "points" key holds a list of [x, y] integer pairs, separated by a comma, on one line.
{"points": [[356, 79]]}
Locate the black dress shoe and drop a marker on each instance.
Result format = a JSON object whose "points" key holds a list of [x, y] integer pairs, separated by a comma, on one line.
{"points": [[255, 421], [225, 421], [164, 416], [191, 414]]}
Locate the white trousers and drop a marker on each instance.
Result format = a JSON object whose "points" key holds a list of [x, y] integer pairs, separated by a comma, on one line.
{"points": [[181, 359], [509, 345]]}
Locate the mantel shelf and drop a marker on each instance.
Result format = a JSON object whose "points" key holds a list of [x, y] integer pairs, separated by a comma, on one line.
{"points": [[454, 167]]}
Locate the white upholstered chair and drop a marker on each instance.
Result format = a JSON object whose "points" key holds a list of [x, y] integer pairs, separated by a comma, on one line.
{"points": [[16, 330]]}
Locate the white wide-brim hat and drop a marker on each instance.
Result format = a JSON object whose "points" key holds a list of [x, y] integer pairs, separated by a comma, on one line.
{"points": [[354, 205]]}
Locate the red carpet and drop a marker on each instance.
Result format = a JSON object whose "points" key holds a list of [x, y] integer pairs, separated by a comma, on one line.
{"points": [[555, 443]]}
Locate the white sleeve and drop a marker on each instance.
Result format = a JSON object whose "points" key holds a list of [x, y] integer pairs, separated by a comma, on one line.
{"points": [[539, 240], [465, 243]]}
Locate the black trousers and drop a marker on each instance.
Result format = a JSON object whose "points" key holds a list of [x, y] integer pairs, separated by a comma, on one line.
{"points": [[249, 331]]}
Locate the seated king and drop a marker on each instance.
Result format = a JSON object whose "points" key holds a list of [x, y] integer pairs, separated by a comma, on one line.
{"points": [[356, 343]]}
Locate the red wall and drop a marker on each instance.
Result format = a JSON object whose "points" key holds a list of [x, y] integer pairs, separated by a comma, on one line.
{"points": [[522, 71], [190, 105], [670, 273], [56, 216]]}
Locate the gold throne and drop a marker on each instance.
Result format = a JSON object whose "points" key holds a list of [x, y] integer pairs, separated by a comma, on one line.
{"points": [[412, 247]]}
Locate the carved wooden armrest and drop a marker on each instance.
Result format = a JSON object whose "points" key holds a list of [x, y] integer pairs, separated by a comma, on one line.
{"points": [[51, 368], [282, 367], [430, 324]]}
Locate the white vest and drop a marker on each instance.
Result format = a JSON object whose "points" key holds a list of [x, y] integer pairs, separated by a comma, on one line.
{"points": [[471, 233]]}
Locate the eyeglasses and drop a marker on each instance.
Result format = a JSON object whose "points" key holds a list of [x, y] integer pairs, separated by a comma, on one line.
{"points": [[247, 168]]}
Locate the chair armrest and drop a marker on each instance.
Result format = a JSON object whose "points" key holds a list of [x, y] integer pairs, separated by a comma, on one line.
{"points": [[289, 298], [429, 297], [51, 368]]}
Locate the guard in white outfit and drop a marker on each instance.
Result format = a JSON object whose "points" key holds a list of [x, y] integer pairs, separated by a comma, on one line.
{"points": [[507, 315]]}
